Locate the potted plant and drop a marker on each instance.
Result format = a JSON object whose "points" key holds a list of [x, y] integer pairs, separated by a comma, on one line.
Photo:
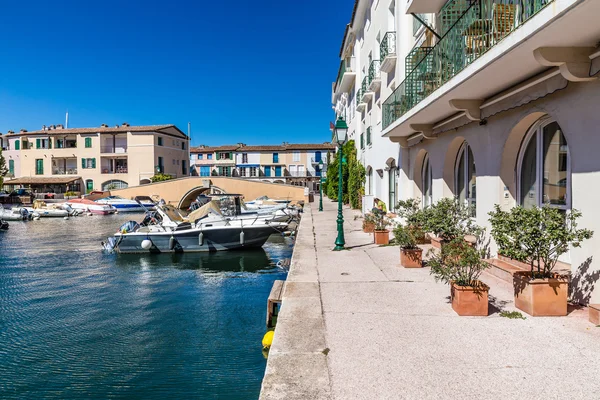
{"points": [[447, 220], [369, 223], [460, 265], [538, 237], [410, 210], [382, 234], [411, 255]]}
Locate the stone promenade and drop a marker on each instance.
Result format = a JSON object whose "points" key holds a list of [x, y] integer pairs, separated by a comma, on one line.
{"points": [[356, 325]]}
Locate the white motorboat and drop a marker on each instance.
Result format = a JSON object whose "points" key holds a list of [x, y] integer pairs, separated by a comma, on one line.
{"points": [[41, 209], [265, 202], [14, 214], [90, 206], [125, 205], [215, 226]]}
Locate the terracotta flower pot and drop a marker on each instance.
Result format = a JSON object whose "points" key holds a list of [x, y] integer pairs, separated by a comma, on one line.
{"points": [[470, 301], [382, 237], [411, 258], [541, 297], [368, 227], [436, 242]]}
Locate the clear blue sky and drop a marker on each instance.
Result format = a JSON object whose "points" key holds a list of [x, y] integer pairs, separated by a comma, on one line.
{"points": [[238, 70]]}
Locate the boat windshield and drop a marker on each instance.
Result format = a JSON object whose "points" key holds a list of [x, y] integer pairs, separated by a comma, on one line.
{"points": [[172, 213]]}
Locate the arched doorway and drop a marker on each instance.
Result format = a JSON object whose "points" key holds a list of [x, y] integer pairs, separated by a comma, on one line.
{"points": [[465, 177]]}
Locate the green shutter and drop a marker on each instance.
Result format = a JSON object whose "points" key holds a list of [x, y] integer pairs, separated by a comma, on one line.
{"points": [[231, 155], [218, 156], [18, 144], [11, 167], [37, 143], [49, 143], [39, 167], [88, 142], [83, 163], [93, 163]]}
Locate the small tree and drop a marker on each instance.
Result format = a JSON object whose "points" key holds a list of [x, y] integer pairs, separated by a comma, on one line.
{"points": [[381, 221], [406, 237], [457, 262], [161, 178], [449, 219], [536, 236], [3, 169]]}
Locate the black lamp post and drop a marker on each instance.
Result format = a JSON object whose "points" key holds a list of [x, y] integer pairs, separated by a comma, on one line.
{"points": [[340, 134]]}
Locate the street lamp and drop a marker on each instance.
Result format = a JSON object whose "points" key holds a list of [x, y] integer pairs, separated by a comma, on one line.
{"points": [[321, 170], [340, 134]]}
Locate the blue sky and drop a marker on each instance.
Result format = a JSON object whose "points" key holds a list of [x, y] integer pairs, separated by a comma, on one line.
{"points": [[239, 71]]}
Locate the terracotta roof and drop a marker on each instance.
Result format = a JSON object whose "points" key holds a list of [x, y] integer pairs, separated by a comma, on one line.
{"points": [[266, 147], [34, 180], [100, 129], [303, 146], [211, 149]]}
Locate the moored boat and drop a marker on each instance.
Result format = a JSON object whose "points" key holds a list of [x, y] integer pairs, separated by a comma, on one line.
{"points": [[41, 209], [125, 205], [14, 214], [90, 206]]}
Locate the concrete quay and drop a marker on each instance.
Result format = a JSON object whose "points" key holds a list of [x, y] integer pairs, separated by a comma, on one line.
{"points": [[356, 325]]}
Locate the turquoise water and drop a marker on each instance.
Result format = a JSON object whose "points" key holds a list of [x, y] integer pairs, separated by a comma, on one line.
{"points": [[78, 323]]}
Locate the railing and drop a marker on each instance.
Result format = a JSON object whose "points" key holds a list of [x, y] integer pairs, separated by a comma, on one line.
{"points": [[359, 95], [347, 65], [365, 85], [119, 170], [369, 136], [113, 149], [314, 161], [469, 29], [62, 171], [388, 45], [374, 71]]}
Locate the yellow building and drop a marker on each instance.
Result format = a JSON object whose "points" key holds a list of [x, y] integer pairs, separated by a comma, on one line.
{"points": [[56, 159]]}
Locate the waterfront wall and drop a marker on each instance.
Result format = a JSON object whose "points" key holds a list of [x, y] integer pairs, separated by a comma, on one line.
{"points": [[173, 191]]}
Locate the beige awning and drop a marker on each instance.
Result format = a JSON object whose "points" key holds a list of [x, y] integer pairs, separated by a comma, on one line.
{"points": [[33, 180]]}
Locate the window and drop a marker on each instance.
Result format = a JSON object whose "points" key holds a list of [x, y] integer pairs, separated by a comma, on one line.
{"points": [[278, 170], [267, 171], [173, 161], [42, 144], [199, 156], [160, 141], [253, 171], [544, 172], [59, 143], [466, 177], [209, 156], [244, 158], [224, 171], [242, 171], [370, 181], [11, 167], [114, 184], [88, 142], [177, 162], [296, 156], [161, 166], [39, 166], [275, 157], [182, 145], [88, 163], [174, 142], [392, 188], [427, 182], [18, 144], [205, 170], [183, 168]]}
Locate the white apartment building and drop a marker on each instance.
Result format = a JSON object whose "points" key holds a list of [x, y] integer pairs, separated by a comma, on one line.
{"points": [[494, 101]]}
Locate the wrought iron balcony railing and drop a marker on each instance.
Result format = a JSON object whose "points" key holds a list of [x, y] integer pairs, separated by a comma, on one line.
{"points": [[359, 95], [388, 45], [374, 71], [365, 85], [469, 29]]}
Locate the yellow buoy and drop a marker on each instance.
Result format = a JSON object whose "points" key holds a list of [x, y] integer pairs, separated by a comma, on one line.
{"points": [[268, 339]]}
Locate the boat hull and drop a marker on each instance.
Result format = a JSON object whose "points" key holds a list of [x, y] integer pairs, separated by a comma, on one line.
{"points": [[191, 241]]}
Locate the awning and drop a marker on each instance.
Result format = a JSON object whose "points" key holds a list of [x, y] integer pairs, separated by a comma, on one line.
{"points": [[248, 165], [32, 180]]}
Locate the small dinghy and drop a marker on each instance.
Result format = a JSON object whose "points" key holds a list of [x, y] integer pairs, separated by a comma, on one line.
{"points": [[15, 214], [48, 210]]}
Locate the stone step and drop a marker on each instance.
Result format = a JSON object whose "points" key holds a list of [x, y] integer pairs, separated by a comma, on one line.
{"points": [[560, 267], [502, 269]]}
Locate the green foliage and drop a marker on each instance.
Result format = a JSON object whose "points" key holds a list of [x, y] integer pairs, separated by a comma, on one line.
{"points": [[457, 262], [406, 237], [3, 168], [71, 194], [512, 315], [536, 236], [449, 219], [414, 217], [380, 219], [353, 177], [161, 178]]}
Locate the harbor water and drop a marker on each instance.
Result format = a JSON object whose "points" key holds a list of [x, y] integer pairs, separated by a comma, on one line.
{"points": [[76, 322]]}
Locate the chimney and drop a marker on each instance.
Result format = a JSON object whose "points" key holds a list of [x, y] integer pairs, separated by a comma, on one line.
{"points": [[53, 126], [103, 126], [10, 132], [59, 126], [23, 130], [43, 127], [125, 124]]}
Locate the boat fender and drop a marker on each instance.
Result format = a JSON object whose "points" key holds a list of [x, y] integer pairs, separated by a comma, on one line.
{"points": [[268, 339], [146, 244], [65, 218], [242, 237], [200, 239], [172, 242]]}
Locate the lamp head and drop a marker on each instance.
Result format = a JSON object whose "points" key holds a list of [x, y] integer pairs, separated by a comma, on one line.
{"points": [[341, 131]]}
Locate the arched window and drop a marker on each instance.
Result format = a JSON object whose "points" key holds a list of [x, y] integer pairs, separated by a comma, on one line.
{"points": [[370, 181], [427, 180], [392, 187], [114, 184], [544, 172], [466, 178]]}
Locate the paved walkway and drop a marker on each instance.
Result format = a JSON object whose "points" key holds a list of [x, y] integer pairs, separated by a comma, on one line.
{"points": [[356, 325]]}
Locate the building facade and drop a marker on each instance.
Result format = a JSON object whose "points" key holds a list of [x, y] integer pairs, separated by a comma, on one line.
{"points": [[289, 163], [85, 159], [497, 105]]}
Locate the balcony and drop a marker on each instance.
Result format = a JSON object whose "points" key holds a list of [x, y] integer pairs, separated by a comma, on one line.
{"points": [[113, 149], [110, 165], [360, 104], [387, 52], [62, 171], [374, 77], [486, 48], [366, 92], [64, 166], [346, 75], [314, 162], [424, 6]]}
